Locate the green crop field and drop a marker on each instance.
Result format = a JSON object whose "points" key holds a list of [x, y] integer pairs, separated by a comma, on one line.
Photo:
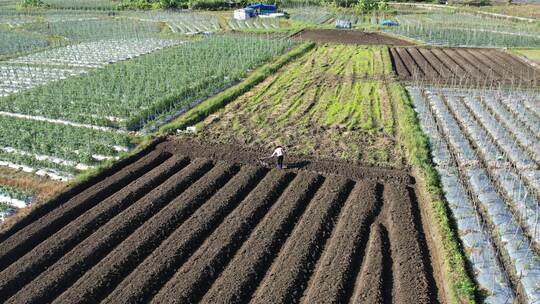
{"points": [[100, 98], [331, 103]]}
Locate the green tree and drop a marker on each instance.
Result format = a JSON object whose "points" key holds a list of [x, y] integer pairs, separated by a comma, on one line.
{"points": [[371, 5]]}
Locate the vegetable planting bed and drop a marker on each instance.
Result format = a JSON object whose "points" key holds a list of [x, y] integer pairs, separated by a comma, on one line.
{"points": [[348, 37], [18, 78], [455, 66], [181, 21], [488, 160], [91, 112], [187, 222], [96, 53], [444, 27]]}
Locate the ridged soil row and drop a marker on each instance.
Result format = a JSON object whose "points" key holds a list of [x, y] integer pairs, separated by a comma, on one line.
{"points": [[71, 266], [401, 68], [374, 284], [435, 63], [513, 71], [526, 71], [452, 65], [425, 65], [470, 68], [28, 237], [494, 66], [414, 68], [208, 261], [165, 260], [288, 277], [411, 281], [243, 274], [50, 250], [486, 70], [337, 269]]}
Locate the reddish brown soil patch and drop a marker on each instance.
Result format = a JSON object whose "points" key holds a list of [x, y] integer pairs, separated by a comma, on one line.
{"points": [[462, 66], [187, 222], [348, 37]]}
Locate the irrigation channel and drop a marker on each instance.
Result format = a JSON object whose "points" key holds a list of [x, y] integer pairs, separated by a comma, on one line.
{"points": [[184, 222]]}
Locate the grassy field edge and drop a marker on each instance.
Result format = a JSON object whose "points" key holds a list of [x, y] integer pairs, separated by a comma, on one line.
{"points": [[462, 288], [218, 101]]}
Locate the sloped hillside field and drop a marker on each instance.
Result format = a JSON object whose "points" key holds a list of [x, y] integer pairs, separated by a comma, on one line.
{"points": [[185, 222]]}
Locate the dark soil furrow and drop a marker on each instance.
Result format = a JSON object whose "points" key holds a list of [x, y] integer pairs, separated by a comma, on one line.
{"points": [[28, 237], [371, 286], [414, 69], [495, 66], [337, 269], [449, 62], [290, 273], [348, 37], [474, 61], [46, 253], [101, 279], [138, 286], [411, 282], [220, 247], [89, 252], [399, 66], [471, 69], [510, 66], [426, 67], [434, 62], [243, 274]]}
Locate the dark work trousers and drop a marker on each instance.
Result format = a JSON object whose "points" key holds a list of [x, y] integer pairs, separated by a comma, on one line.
{"points": [[280, 162]]}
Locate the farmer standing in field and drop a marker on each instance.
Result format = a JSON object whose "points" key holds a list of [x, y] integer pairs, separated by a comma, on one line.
{"points": [[279, 152]]}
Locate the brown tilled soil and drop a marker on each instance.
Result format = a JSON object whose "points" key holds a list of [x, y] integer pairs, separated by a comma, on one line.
{"points": [[348, 37], [188, 222], [462, 66]]}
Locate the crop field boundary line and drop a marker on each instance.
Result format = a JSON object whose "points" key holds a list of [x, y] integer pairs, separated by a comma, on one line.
{"points": [[459, 286]]}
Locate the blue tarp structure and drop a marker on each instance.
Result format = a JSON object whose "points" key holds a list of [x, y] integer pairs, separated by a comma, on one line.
{"points": [[249, 12], [390, 23], [264, 8]]}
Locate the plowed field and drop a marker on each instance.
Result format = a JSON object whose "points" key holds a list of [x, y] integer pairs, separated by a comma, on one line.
{"points": [[348, 37], [185, 222], [456, 66]]}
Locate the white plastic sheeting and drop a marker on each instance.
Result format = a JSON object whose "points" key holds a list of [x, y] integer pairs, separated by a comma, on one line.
{"points": [[97, 53], [491, 148]]}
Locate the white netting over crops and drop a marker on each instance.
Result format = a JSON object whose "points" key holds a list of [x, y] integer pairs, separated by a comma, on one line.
{"points": [[16, 78], [475, 238], [486, 151], [97, 53]]}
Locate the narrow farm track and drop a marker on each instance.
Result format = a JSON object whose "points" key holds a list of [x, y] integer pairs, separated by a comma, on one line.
{"points": [[462, 66], [212, 230]]}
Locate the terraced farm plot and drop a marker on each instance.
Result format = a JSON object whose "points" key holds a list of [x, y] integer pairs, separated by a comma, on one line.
{"points": [[328, 104], [461, 66], [171, 225], [348, 37], [59, 127], [485, 146]]}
